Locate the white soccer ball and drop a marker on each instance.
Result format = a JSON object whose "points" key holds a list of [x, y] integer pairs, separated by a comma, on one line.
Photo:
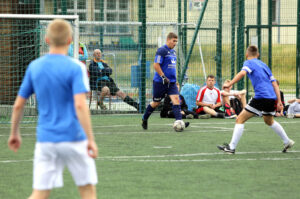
{"points": [[179, 125]]}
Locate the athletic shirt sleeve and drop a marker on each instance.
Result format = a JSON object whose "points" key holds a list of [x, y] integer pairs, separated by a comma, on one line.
{"points": [[269, 72], [160, 55], [26, 88], [80, 82], [219, 95], [200, 94], [247, 67]]}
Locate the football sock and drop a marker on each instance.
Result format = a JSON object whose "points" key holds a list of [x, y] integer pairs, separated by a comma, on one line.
{"points": [[131, 102], [177, 112], [280, 131], [237, 134], [148, 112]]}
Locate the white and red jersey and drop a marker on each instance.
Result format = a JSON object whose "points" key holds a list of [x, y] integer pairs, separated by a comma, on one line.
{"points": [[208, 96]]}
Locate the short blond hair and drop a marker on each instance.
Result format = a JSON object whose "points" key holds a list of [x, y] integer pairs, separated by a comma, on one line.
{"points": [[226, 81], [59, 32]]}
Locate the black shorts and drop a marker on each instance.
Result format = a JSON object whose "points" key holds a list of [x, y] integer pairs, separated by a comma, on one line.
{"points": [[110, 84], [261, 106]]}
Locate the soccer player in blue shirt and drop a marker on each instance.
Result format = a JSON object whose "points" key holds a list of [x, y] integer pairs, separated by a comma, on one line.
{"points": [[164, 80], [64, 132], [263, 104]]}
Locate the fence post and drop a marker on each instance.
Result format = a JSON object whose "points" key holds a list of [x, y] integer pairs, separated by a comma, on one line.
{"points": [[241, 41], [270, 34], [142, 42], [258, 31], [233, 9], [219, 46], [180, 39], [298, 50]]}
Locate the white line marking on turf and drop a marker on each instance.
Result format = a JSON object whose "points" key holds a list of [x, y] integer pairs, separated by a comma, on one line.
{"points": [[137, 158], [162, 147], [208, 160]]}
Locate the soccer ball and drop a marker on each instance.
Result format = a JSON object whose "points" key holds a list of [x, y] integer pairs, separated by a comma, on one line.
{"points": [[179, 125]]}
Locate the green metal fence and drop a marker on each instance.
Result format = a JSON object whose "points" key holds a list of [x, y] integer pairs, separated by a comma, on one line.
{"points": [[213, 35]]}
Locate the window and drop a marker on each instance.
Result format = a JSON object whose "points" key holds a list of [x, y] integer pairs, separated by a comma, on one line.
{"points": [[275, 11], [79, 9], [114, 11]]}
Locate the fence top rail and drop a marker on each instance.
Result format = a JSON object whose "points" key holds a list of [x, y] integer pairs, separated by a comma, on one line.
{"points": [[37, 16], [268, 26]]}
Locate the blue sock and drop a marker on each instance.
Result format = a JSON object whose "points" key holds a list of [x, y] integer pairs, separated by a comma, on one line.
{"points": [[148, 112], [177, 112]]}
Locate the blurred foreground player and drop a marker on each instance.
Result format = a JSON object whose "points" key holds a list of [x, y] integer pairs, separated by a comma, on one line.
{"points": [[64, 132]]}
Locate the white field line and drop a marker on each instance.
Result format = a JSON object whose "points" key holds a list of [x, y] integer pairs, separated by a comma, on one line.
{"points": [[168, 124], [148, 158]]}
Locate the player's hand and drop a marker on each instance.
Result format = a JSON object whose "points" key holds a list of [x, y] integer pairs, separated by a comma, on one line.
{"points": [[279, 106], [14, 142], [92, 149], [166, 81]]}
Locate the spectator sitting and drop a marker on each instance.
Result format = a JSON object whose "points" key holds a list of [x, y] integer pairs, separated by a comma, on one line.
{"points": [[233, 99], [100, 80], [294, 108], [208, 99], [167, 111], [280, 113]]}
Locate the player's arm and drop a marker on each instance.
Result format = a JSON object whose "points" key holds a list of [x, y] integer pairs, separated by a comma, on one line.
{"points": [[236, 79], [277, 92], [14, 140], [83, 115]]}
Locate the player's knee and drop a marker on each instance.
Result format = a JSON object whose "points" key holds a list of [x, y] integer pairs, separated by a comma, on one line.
{"points": [[269, 122], [155, 104]]}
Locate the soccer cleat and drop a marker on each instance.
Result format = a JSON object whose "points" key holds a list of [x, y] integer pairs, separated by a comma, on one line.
{"points": [[189, 116], [145, 124], [225, 147], [186, 124], [205, 116], [288, 146], [231, 116]]}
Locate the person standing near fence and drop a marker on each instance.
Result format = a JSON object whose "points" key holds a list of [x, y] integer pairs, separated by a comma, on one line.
{"points": [[164, 80], [64, 130], [263, 104]]}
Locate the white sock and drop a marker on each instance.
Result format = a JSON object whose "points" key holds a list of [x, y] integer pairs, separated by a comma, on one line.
{"points": [[236, 136], [280, 131]]}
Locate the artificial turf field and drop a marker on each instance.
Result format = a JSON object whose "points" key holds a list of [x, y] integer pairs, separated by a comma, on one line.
{"points": [[162, 164]]}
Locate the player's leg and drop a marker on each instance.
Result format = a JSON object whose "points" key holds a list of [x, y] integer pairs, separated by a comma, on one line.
{"points": [[104, 92], [40, 194], [88, 191], [237, 132], [159, 91], [210, 111], [81, 166], [277, 128]]}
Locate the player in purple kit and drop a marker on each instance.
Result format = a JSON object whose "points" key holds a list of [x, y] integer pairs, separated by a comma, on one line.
{"points": [[263, 104], [164, 80]]}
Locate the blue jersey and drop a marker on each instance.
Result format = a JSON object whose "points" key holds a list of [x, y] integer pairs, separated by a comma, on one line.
{"points": [[55, 79], [166, 57], [261, 78]]}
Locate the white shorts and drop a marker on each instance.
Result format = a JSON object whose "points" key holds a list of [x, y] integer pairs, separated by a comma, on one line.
{"points": [[51, 158]]}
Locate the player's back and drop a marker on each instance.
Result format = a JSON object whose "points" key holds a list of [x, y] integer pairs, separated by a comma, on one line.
{"points": [[55, 79], [261, 78]]}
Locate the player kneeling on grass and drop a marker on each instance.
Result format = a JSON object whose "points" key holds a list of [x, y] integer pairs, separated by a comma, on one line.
{"points": [[64, 132], [266, 93], [164, 80]]}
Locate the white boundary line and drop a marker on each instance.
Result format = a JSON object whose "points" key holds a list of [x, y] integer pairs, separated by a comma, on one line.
{"points": [[147, 158]]}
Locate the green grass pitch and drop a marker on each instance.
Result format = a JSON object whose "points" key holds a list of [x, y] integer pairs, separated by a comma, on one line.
{"points": [[163, 164]]}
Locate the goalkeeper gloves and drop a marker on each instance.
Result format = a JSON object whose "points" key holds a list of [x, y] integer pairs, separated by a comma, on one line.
{"points": [[165, 80]]}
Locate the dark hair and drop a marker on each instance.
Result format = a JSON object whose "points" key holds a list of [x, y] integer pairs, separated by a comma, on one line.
{"points": [[252, 51], [210, 76], [172, 35]]}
